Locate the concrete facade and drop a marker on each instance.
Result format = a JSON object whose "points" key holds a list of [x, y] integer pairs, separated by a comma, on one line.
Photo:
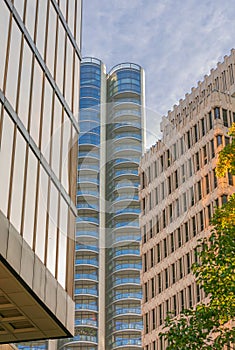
{"points": [[178, 194], [39, 105]]}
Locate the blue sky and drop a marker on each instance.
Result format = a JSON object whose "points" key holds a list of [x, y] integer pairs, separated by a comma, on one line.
{"points": [[177, 42]]}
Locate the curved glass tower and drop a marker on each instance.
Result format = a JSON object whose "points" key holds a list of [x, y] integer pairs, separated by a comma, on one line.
{"points": [[125, 139], [108, 264]]}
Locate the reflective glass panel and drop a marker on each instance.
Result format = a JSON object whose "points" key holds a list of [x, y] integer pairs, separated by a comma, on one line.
{"points": [[60, 57], [30, 194], [56, 137], [30, 17], [13, 64], [41, 26], [5, 161], [69, 73], [4, 24], [51, 33], [25, 81], [19, 5], [46, 123], [52, 229], [62, 253], [36, 102], [18, 182], [41, 214]]}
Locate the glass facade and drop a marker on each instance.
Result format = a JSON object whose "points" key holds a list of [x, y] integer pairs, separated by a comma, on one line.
{"points": [[39, 105], [107, 265]]}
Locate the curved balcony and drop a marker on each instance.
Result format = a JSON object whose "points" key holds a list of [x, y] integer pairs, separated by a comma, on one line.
{"points": [[128, 266], [86, 322], [84, 339], [86, 307], [126, 280], [85, 291], [124, 252], [83, 233], [123, 224], [127, 343], [86, 276], [127, 148], [129, 326], [83, 179], [88, 154], [127, 135], [126, 112], [124, 197], [87, 193], [123, 296], [82, 247], [126, 239], [126, 126], [126, 172], [88, 166], [92, 262], [90, 219]]}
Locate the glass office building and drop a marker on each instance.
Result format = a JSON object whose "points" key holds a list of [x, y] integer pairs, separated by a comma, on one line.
{"points": [[39, 105], [107, 268]]}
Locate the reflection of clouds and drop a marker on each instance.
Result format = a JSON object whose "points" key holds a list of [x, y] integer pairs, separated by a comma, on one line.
{"points": [[175, 44]]}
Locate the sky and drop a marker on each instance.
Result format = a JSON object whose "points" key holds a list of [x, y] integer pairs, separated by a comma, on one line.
{"points": [[176, 42]]}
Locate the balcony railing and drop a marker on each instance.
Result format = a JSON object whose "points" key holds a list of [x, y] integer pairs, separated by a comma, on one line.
{"points": [[86, 262], [86, 307], [128, 311], [126, 280], [83, 276], [91, 291]]}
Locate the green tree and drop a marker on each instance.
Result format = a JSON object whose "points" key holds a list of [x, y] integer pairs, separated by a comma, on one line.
{"points": [[210, 325]]}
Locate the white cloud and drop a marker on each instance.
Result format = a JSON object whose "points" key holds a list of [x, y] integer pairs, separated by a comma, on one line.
{"points": [[176, 42]]}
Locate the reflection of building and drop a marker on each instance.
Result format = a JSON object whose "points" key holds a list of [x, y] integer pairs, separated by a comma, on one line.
{"points": [[38, 132], [107, 281], [179, 191]]}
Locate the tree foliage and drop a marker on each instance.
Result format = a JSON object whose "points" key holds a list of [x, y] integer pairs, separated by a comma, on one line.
{"points": [[210, 325]]}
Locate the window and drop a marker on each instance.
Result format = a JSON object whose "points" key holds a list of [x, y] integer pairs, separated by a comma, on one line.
{"points": [[188, 263], [152, 287], [145, 262], [169, 184], [159, 283], [174, 305], [151, 229], [199, 190], [190, 167], [204, 155], [225, 116], [217, 113], [219, 140], [203, 127], [183, 173], [144, 234], [210, 120], [207, 184], [186, 232], [195, 133], [192, 196], [173, 273], [181, 268], [201, 218], [212, 149], [158, 253], [165, 247], [153, 319], [194, 226], [176, 179], [182, 299], [179, 237], [152, 257], [166, 278], [197, 161], [172, 242], [156, 196], [190, 299]]}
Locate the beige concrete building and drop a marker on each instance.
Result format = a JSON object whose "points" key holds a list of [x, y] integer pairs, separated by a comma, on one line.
{"points": [[178, 193], [39, 105]]}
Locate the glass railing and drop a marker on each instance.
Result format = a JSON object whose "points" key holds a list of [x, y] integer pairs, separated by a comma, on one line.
{"points": [[86, 262], [126, 172], [128, 210], [88, 179], [127, 184], [126, 280], [87, 233], [83, 276], [88, 218], [127, 147], [91, 291], [138, 326], [86, 307], [87, 192], [87, 206], [126, 196], [123, 342], [127, 135], [127, 160], [127, 311], [86, 338], [86, 322], [88, 166], [126, 224], [88, 154], [135, 112], [86, 247], [127, 238], [124, 124], [127, 296], [126, 252], [127, 266]]}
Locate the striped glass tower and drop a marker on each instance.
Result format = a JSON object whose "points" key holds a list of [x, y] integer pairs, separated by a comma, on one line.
{"points": [[108, 264]]}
